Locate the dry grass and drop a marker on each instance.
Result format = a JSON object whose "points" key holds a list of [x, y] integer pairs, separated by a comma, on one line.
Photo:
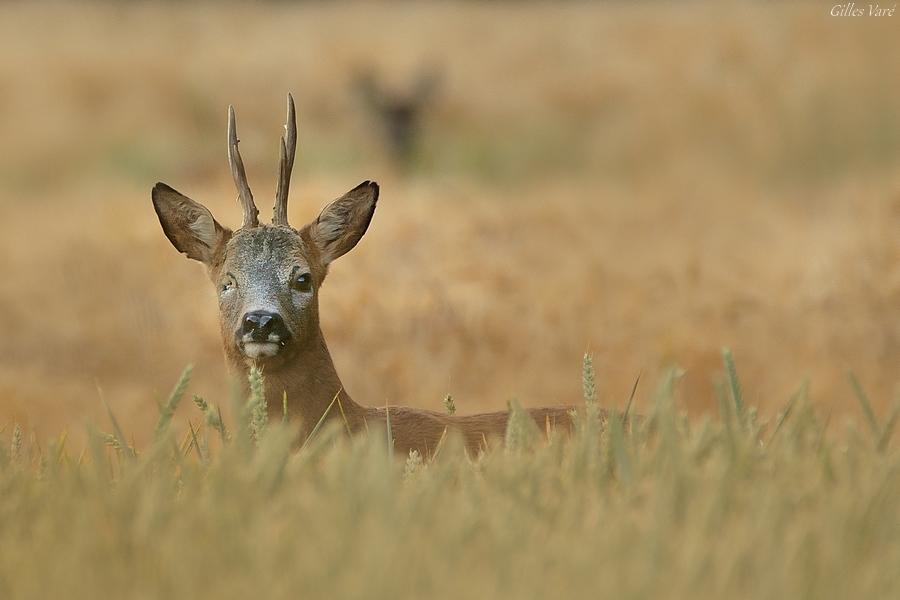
{"points": [[648, 182], [725, 508]]}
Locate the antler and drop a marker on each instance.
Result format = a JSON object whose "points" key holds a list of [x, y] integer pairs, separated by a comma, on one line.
{"points": [[286, 164], [239, 175]]}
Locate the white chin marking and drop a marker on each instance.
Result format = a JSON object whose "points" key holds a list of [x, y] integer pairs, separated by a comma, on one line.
{"points": [[257, 350]]}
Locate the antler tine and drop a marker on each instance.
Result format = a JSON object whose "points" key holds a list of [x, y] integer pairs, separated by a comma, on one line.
{"points": [[286, 164], [240, 176]]}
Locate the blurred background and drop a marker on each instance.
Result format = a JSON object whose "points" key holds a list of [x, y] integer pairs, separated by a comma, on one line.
{"points": [[644, 181]]}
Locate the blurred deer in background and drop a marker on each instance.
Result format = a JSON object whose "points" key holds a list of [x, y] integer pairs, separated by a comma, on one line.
{"points": [[268, 277], [399, 113]]}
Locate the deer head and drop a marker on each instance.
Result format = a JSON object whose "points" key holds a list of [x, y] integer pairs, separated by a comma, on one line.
{"points": [[267, 276], [399, 113]]}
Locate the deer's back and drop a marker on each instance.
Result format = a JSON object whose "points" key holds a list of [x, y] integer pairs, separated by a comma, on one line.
{"points": [[422, 430]]}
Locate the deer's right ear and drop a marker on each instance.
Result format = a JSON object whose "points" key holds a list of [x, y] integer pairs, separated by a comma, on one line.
{"points": [[189, 225]]}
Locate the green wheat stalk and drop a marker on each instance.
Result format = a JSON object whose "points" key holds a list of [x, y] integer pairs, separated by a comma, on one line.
{"points": [[256, 406], [521, 430], [167, 410], [121, 444], [213, 417], [15, 447], [390, 431], [734, 385], [588, 379]]}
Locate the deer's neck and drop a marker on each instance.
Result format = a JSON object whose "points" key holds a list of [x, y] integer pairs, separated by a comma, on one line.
{"points": [[312, 386]]}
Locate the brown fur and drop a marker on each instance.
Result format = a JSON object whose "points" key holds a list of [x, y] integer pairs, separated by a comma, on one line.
{"points": [[254, 269], [311, 384]]}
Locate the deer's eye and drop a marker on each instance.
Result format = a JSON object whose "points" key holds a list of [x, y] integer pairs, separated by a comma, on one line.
{"points": [[302, 282], [227, 284]]}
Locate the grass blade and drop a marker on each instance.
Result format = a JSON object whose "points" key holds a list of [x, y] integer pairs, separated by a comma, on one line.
{"points": [[117, 430], [631, 397], [619, 452], [344, 417], [888, 431], [61, 447], [213, 417], [735, 385], [390, 432], [866, 405], [795, 397], [167, 410], [321, 419], [195, 442]]}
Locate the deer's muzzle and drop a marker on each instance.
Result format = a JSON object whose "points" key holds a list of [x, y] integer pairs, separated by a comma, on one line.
{"points": [[262, 334]]}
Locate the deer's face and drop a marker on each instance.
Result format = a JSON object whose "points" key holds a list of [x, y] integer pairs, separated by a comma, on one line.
{"points": [[267, 277], [267, 286]]}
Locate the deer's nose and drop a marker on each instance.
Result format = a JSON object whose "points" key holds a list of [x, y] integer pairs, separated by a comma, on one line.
{"points": [[260, 325]]}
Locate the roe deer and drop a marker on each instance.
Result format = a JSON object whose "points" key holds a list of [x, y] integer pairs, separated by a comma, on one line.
{"points": [[399, 113], [268, 278]]}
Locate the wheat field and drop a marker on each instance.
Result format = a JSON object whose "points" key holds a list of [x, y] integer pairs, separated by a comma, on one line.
{"points": [[647, 183], [732, 507]]}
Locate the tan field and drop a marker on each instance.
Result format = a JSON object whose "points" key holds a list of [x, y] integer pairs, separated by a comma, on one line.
{"points": [[646, 183]]}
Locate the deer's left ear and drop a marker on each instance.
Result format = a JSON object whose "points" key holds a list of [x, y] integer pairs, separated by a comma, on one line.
{"points": [[189, 225], [343, 222]]}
